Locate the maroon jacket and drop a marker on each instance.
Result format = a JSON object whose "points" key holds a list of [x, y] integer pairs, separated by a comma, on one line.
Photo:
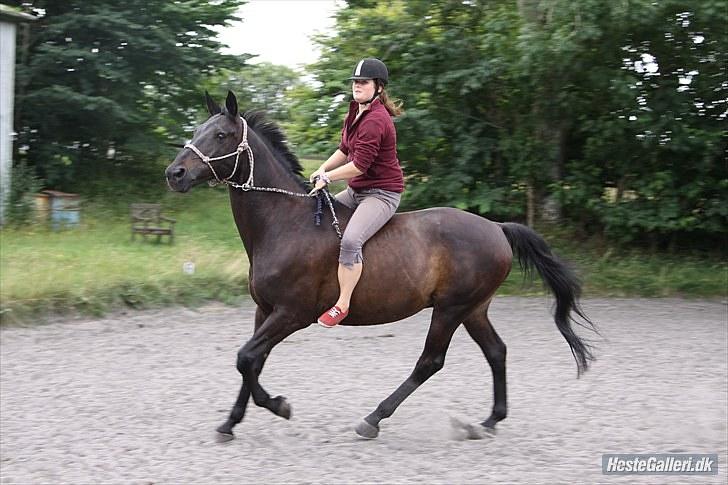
{"points": [[371, 143]]}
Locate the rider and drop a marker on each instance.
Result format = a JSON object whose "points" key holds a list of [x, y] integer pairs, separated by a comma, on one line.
{"points": [[367, 157]]}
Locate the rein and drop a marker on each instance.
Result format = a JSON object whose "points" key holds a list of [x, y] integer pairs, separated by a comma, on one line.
{"points": [[244, 146]]}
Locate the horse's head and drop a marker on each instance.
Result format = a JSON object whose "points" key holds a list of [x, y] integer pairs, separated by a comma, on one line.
{"points": [[216, 137]]}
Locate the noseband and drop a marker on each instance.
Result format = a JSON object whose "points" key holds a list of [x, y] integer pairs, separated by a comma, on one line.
{"points": [[244, 146]]}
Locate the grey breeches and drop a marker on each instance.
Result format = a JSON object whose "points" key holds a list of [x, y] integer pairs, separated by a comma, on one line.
{"points": [[372, 209]]}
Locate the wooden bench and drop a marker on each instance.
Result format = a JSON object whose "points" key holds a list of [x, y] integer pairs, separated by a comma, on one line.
{"points": [[148, 219]]}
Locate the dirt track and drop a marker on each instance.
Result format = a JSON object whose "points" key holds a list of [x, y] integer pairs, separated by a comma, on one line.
{"points": [[136, 398]]}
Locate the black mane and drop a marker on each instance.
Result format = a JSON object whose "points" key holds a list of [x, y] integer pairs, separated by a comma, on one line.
{"points": [[276, 141]]}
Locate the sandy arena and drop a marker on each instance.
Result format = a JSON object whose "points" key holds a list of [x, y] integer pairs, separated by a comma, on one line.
{"points": [[135, 398]]}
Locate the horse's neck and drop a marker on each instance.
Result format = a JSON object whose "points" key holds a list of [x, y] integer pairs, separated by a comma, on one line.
{"points": [[267, 171], [261, 216]]}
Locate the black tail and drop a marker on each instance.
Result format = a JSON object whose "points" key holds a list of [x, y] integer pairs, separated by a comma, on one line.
{"points": [[534, 253]]}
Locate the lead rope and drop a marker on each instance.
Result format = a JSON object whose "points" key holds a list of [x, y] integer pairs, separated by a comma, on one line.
{"points": [[244, 146], [325, 194]]}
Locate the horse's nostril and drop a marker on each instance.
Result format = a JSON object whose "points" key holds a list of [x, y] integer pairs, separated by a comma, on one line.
{"points": [[179, 172]]}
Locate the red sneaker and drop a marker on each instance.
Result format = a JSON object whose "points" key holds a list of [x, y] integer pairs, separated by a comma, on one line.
{"points": [[332, 317]]}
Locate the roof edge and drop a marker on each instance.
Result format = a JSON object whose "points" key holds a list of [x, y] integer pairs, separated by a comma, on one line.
{"points": [[9, 14]]}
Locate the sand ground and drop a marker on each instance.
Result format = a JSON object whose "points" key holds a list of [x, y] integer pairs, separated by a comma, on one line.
{"points": [[135, 398]]}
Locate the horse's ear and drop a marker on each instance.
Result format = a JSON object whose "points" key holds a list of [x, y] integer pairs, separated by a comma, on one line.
{"points": [[231, 103], [212, 106]]}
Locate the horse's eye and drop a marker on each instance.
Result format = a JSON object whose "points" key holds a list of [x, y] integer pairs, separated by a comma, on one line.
{"points": [[220, 135]]}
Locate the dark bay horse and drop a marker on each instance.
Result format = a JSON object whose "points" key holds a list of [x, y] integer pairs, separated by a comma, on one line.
{"points": [[443, 258]]}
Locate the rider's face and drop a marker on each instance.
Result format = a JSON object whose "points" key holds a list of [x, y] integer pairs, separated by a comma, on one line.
{"points": [[363, 90]]}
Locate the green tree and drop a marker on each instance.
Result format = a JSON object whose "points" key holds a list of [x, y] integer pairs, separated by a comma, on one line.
{"points": [[450, 62], [652, 144], [102, 84], [513, 103], [263, 86]]}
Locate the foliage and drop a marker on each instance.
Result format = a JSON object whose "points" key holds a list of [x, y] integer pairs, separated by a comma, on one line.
{"points": [[656, 142], [102, 85], [24, 184], [263, 86], [313, 119], [606, 116], [610, 112]]}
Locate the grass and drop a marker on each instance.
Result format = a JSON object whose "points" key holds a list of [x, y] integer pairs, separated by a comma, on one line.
{"points": [[96, 267], [637, 274]]}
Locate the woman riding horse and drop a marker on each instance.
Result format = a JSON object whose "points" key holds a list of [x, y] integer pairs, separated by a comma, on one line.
{"points": [[367, 156], [443, 258]]}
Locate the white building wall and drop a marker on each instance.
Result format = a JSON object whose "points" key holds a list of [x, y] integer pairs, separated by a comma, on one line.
{"points": [[7, 87]]}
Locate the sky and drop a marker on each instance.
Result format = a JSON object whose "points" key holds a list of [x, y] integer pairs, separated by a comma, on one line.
{"points": [[278, 30]]}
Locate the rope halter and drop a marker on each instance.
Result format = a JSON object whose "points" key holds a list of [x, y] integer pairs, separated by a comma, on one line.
{"points": [[243, 146]]}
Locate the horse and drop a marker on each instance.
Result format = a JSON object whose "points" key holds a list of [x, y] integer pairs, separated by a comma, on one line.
{"points": [[444, 258]]}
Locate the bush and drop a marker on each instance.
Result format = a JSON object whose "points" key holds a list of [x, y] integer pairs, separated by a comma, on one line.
{"points": [[24, 185]]}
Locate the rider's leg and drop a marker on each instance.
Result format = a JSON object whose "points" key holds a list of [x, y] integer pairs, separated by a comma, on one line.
{"points": [[348, 278], [371, 213], [347, 197]]}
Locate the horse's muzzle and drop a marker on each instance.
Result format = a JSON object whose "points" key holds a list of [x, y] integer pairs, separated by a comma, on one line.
{"points": [[178, 177]]}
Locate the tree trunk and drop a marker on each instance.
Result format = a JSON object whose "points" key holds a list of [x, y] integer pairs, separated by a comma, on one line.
{"points": [[530, 205]]}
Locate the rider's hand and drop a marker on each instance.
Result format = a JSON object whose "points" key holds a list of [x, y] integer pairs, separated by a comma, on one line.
{"points": [[319, 171], [320, 184]]}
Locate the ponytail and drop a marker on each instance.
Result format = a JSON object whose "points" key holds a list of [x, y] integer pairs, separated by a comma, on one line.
{"points": [[394, 106]]}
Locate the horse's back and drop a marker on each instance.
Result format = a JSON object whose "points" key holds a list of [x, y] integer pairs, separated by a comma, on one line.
{"points": [[451, 226], [432, 254]]}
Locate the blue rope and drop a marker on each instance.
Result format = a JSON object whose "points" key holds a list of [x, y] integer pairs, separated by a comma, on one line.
{"points": [[319, 208]]}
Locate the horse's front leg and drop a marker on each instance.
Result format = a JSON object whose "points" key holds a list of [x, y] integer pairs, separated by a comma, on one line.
{"points": [[276, 327], [225, 430]]}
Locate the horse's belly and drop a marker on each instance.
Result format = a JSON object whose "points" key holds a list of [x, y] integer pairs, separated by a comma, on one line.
{"points": [[392, 286]]}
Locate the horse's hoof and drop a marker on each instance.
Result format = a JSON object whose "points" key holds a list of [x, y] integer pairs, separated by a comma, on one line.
{"points": [[479, 432], [224, 433], [283, 409], [366, 430], [221, 437]]}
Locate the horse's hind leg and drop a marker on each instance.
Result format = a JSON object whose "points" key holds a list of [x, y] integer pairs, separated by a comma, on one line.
{"points": [[443, 325], [478, 326]]}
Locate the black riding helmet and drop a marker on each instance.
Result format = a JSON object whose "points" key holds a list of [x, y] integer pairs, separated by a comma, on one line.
{"points": [[371, 68]]}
